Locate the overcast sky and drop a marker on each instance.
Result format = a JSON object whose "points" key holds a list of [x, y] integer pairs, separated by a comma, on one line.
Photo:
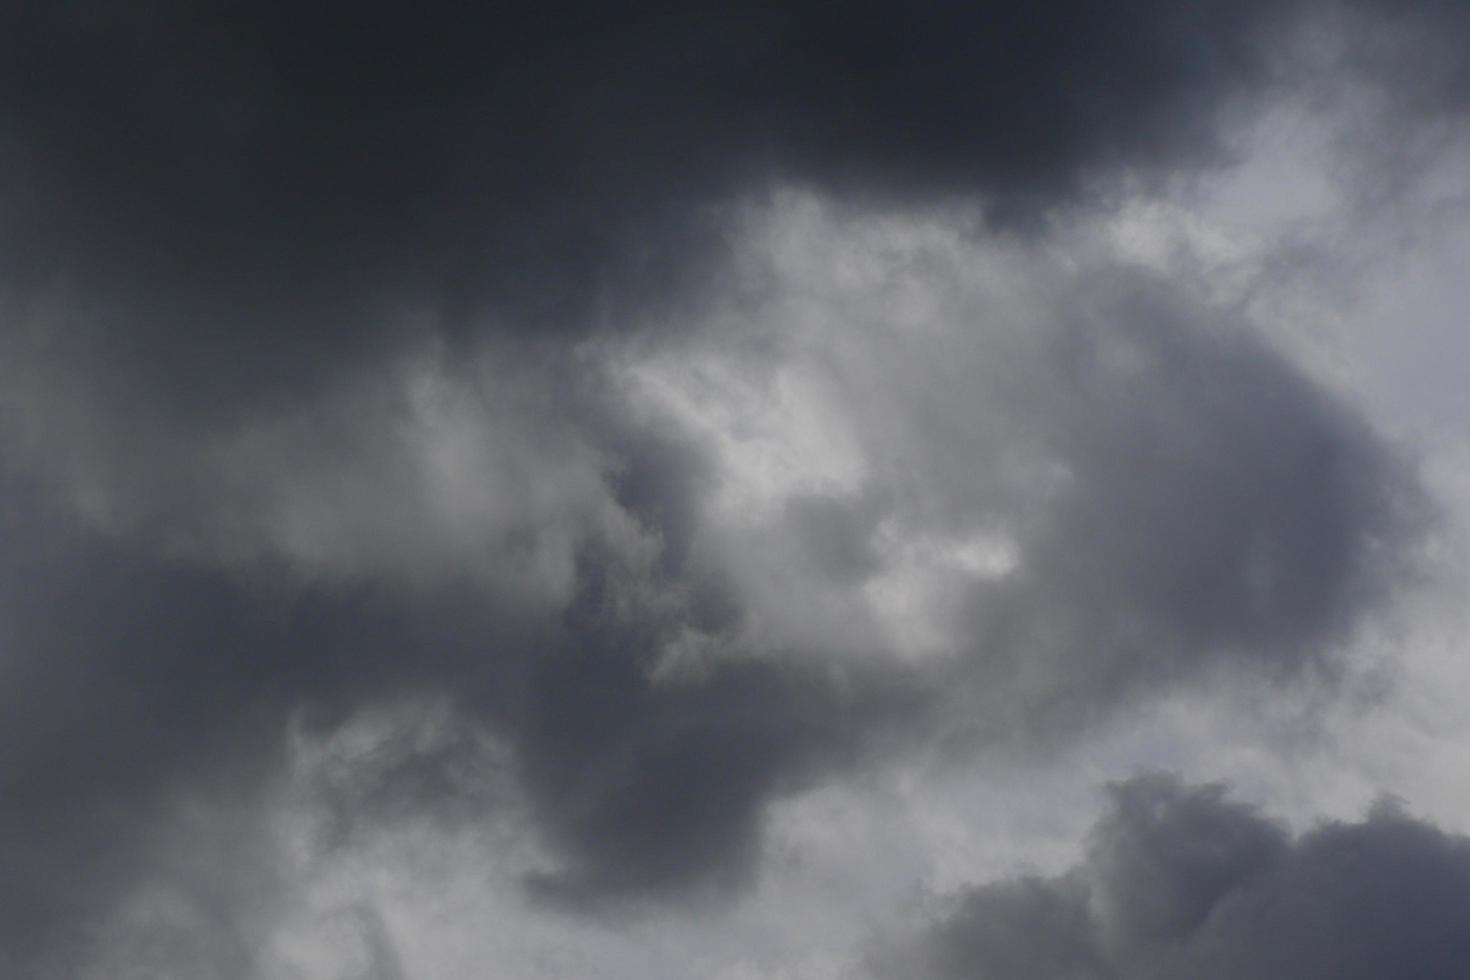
{"points": [[807, 491]]}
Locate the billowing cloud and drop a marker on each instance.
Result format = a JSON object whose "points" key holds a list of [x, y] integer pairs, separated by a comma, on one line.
{"points": [[910, 489], [1179, 880], [612, 425], [235, 144]]}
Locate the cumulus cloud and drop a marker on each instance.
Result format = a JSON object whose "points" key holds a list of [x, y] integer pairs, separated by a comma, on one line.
{"points": [[630, 420], [1179, 880], [980, 459], [902, 487]]}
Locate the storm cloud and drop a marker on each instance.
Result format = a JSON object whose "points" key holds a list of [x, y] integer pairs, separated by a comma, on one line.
{"points": [[600, 429], [1179, 880], [230, 200], [668, 629]]}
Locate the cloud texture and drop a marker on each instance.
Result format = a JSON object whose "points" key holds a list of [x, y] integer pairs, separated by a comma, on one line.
{"points": [[614, 425], [1181, 881]]}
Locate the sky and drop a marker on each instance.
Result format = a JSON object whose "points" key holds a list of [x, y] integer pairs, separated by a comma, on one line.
{"points": [[752, 492]]}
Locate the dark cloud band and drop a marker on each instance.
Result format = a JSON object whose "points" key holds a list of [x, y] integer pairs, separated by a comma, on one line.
{"points": [[1181, 881]]}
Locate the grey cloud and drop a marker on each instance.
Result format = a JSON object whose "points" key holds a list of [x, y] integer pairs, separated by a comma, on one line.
{"points": [[1078, 486], [361, 931], [238, 199], [1216, 506], [1179, 499], [142, 691], [1405, 51], [233, 230], [1181, 881], [837, 534], [1217, 513], [652, 782]]}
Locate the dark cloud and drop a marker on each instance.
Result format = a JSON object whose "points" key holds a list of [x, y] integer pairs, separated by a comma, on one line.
{"points": [[233, 230], [141, 693], [1213, 507], [837, 534], [1406, 51], [655, 787], [1215, 510], [1181, 881], [232, 198], [1184, 504], [1127, 487]]}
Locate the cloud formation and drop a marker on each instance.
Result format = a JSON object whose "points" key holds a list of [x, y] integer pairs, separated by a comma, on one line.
{"points": [[669, 412], [1179, 880], [234, 199], [968, 495]]}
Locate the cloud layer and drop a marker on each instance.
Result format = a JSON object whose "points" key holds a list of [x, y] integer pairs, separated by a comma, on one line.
{"points": [[1181, 881], [918, 491], [232, 200], [637, 421]]}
